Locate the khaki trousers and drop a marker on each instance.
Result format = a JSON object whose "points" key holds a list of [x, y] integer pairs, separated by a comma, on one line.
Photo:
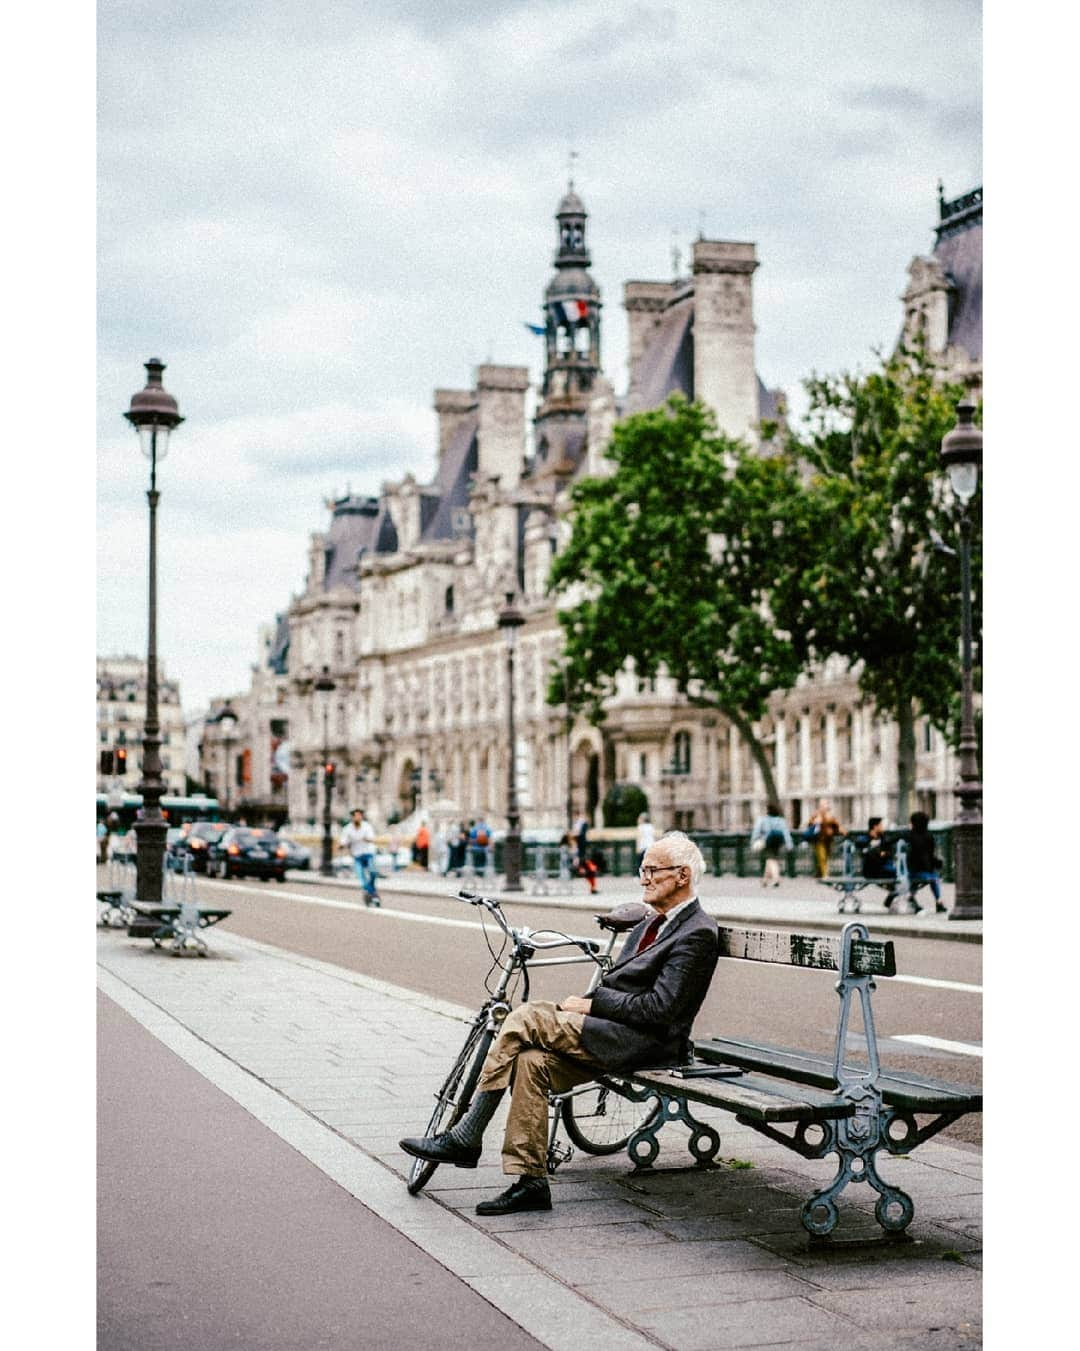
{"points": [[539, 1046]]}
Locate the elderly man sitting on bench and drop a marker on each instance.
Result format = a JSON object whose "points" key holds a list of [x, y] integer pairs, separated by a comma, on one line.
{"points": [[639, 1015]]}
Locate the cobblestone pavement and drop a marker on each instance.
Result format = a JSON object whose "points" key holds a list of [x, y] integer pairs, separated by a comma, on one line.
{"points": [[342, 1066]]}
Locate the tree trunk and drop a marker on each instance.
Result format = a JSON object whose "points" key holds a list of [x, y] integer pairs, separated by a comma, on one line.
{"points": [[757, 750], [905, 760]]}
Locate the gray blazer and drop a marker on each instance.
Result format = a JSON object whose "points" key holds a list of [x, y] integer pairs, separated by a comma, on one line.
{"points": [[643, 1009]]}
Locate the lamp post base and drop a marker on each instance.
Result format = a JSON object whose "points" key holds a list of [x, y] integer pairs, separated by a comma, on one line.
{"points": [[967, 852], [512, 863], [150, 859]]}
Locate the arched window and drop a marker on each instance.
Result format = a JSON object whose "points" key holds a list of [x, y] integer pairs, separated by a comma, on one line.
{"points": [[448, 600], [681, 758]]}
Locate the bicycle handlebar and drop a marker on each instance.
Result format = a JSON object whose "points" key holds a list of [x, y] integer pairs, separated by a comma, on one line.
{"points": [[587, 945]]}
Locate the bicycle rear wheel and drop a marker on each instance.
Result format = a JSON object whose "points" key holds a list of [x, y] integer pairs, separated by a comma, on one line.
{"points": [[600, 1119], [453, 1098]]}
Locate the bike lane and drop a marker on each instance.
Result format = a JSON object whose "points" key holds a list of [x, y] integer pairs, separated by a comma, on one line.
{"points": [[213, 1232]]}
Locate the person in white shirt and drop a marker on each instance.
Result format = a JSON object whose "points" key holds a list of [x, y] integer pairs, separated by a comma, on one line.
{"points": [[358, 838], [646, 836]]}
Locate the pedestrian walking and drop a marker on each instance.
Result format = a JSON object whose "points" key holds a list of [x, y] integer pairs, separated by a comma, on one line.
{"points": [[459, 841], [102, 842], [640, 1014], [822, 829], [421, 845], [358, 838], [922, 863], [769, 837], [644, 838], [479, 840]]}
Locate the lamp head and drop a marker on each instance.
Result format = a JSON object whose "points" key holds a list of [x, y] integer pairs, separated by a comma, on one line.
{"points": [[961, 452], [154, 412]]}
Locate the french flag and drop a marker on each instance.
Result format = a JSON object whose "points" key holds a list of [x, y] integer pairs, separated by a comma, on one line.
{"points": [[570, 313]]}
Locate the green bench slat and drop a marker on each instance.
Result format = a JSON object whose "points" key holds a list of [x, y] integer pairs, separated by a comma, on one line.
{"points": [[750, 1096], [899, 1088]]}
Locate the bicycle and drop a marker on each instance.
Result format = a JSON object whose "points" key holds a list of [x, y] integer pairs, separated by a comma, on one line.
{"points": [[601, 1116]]}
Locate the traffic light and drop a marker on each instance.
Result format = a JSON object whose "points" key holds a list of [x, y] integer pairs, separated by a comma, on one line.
{"points": [[106, 762], [329, 769], [121, 760]]}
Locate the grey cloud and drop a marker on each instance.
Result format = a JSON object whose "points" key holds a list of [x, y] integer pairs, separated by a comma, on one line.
{"points": [[885, 98]]}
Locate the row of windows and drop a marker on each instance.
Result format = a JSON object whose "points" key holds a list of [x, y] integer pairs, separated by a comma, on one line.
{"points": [[681, 753]]}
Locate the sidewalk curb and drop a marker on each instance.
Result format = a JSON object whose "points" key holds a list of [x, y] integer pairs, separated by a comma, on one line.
{"points": [[733, 910]]}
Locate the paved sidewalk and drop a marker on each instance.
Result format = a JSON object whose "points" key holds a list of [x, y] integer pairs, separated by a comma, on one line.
{"points": [[341, 1066], [800, 901]]}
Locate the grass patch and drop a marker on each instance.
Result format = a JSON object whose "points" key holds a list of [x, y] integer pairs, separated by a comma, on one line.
{"points": [[738, 1163], [951, 1255]]}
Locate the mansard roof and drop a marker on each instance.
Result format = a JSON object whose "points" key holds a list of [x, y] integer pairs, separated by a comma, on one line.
{"points": [[457, 465], [358, 525], [959, 251], [667, 363]]}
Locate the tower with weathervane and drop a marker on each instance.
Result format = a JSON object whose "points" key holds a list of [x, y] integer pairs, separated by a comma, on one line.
{"points": [[572, 343]]}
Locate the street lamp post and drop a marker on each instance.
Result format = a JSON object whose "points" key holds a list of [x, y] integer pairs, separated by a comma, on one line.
{"points": [[564, 669], [961, 453], [227, 722], [510, 620], [325, 687], [153, 413]]}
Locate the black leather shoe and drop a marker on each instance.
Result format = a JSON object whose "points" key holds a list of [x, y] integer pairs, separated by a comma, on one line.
{"points": [[442, 1149], [527, 1193]]}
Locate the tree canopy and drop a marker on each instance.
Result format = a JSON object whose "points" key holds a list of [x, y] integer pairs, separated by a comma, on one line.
{"points": [[671, 561], [875, 587]]}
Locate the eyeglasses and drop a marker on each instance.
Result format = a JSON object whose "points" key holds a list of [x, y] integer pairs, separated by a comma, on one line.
{"points": [[647, 874]]}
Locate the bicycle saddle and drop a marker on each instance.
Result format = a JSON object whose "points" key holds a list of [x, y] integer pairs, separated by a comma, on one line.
{"points": [[625, 917]]}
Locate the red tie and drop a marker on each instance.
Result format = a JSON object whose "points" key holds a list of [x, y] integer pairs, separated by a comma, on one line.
{"points": [[648, 938]]}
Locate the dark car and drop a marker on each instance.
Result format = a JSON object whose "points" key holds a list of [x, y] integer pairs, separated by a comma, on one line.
{"points": [[296, 855], [247, 851], [198, 841]]}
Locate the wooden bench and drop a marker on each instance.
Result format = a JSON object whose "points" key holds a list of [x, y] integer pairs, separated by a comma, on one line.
{"points": [[179, 923], [850, 885], [812, 1104]]}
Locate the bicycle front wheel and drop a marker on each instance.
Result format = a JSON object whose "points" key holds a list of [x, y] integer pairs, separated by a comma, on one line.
{"points": [[600, 1119], [453, 1098]]}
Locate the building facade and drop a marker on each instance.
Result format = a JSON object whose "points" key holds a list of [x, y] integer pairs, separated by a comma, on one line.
{"points": [[398, 618], [121, 717]]}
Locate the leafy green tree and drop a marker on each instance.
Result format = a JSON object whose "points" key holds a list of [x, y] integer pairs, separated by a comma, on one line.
{"points": [[672, 560], [876, 587]]}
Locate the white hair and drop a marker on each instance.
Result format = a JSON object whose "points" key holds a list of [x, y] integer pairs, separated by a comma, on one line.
{"points": [[684, 853]]}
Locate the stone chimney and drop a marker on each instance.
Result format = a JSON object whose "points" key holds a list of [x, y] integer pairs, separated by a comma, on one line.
{"points": [[452, 407], [724, 373], [644, 303], [501, 432]]}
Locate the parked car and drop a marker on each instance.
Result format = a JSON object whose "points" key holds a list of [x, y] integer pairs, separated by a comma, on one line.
{"points": [[296, 855], [199, 839], [247, 851]]}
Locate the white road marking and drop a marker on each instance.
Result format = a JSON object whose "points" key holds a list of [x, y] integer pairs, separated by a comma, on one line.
{"points": [[939, 1043], [379, 910], [413, 915], [939, 984]]}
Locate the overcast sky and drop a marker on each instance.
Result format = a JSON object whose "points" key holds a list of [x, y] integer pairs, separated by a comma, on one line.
{"points": [[316, 212]]}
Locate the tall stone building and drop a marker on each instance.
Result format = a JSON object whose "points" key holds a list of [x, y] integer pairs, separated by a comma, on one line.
{"points": [[400, 604], [121, 717]]}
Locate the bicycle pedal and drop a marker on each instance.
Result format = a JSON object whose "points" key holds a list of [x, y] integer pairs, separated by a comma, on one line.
{"points": [[558, 1155]]}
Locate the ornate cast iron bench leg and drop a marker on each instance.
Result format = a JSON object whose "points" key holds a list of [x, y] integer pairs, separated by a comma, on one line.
{"points": [[856, 1142], [643, 1146]]}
